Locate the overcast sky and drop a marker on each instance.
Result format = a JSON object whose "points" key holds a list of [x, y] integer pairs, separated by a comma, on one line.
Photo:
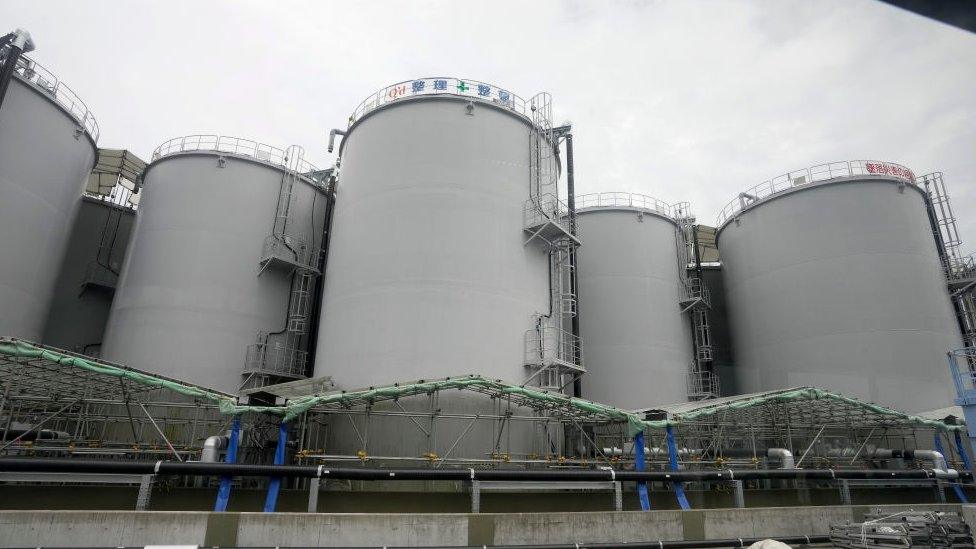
{"points": [[681, 100]]}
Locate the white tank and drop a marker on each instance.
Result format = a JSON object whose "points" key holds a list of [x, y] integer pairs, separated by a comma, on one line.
{"points": [[833, 279], [47, 149], [429, 270], [205, 278], [636, 341]]}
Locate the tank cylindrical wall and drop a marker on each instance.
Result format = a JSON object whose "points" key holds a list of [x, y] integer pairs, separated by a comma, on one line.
{"points": [[636, 342], [82, 300], [838, 285], [723, 358], [190, 299], [428, 271], [44, 162]]}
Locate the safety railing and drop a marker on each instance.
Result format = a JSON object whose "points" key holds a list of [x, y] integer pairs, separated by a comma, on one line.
{"points": [[231, 145], [31, 71], [702, 384], [822, 172], [538, 211], [696, 290], [275, 359], [962, 363], [961, 268], [548, 346], [441, 85], [100, 275], [294, 250], [623, 200], [119, 196]]}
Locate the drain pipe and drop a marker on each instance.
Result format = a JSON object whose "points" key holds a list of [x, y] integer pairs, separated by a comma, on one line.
{"points": [[18, 42], [332, 136], [573, 279], [330, 203]]}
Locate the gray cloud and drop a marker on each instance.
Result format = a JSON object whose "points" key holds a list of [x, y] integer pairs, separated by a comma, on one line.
{"points": [[681, 100]]}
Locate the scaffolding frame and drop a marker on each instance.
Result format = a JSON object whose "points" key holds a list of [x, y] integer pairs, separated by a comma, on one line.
{"points": [[97, 412]]}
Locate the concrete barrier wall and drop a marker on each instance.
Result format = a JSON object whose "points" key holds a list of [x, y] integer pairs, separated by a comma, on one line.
{"points": [[133, 528], [101, 528]]}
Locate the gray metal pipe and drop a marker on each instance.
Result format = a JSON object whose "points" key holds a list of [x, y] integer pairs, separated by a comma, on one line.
{"points": [[785, 457], [212, 447], [463, 474], [332, 136], [19, 42], [938, 460]]}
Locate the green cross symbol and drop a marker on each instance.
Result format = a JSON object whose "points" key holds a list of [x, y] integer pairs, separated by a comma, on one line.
{"points": [[462, 87]]}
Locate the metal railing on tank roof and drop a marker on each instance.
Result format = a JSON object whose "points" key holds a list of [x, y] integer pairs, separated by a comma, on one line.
{"points": [[623, 200], [822, 172], [232, 145], [43, 79], [442, 85]]}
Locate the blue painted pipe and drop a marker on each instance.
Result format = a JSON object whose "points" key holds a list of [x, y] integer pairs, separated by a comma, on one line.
{"points": [[223, 493], [640, 465], [274, 486], [679, 490]]}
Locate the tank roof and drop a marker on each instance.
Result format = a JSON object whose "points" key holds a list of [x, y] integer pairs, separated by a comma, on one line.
{"points": [[845, 169], [43, 80], [617, 200], [457, 87], [276, 157]]}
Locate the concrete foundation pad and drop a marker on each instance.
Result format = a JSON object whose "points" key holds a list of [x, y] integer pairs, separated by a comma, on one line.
{"points": [[135, 528]]}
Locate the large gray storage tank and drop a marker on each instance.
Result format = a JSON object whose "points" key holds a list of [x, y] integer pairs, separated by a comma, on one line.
{"points": [[208, 290], [637, 343], [89, 275], [833, 280], [47, 149], [429, 270]]}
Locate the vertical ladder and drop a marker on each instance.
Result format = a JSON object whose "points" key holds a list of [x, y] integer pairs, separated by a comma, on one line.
{"points": [[280, 356], [551, 350], [293, 157], [946, 227], [542, 156], [959, 270], [702, 382]]}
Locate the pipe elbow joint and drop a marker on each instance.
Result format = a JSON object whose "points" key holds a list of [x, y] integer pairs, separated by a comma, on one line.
{"points": [[212, 447], [332, 137], [784, 455]]}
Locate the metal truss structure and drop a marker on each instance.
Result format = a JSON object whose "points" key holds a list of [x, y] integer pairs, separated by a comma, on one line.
{"points": [[51, 408]]}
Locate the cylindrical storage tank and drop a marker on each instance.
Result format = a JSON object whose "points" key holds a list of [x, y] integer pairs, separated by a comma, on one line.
{"points": [[429, 270], [47, 149], [636, 342], [833, 280], [723, 358], [89, 275], [202, 279]]}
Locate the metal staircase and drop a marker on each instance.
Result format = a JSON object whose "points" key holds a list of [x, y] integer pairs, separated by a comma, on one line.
{"points": [[552, 353], [695, 301], [544, 216], [960, 271], [280, 356]]}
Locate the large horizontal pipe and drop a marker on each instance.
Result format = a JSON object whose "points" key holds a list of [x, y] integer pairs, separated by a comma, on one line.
{"points": [[350, 473]]}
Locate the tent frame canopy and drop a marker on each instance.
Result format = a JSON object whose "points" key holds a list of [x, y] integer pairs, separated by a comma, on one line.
{"points": [[109, 405], [116, 177]]}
